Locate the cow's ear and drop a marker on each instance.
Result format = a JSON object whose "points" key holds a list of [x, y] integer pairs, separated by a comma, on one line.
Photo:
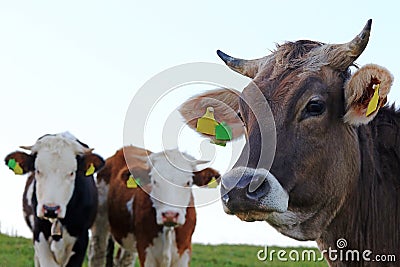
{"points": [[20, 162], [91, 163], [225, 103], [206, 176], [135, 177], [365, 92]]}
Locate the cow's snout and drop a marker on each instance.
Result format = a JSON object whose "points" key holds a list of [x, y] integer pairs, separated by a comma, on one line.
{"points": [[170, 218], [51, 211], [246, 191]]}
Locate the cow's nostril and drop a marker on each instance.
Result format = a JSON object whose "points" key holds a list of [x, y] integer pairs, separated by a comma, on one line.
{"points": [[261, 191], [51, 211], [225, 198]]}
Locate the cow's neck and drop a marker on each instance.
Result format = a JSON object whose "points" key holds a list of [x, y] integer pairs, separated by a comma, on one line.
{"points": [[370, 218]]}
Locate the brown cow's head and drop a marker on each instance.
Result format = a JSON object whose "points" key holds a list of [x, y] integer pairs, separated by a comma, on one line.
{"points": [[172, 174], [317, 105]]}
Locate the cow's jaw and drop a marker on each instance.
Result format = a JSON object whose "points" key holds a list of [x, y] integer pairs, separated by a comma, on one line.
{"points": [[55, 180], [272, 204]]}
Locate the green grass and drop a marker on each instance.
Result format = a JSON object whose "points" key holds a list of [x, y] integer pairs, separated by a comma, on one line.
{"points": [[18, 252]]}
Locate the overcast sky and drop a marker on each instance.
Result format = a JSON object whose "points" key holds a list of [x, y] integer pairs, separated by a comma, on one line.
{"points": [[76, 65]]}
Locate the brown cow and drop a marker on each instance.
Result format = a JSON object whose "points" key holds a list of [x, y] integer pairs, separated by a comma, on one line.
{"points": [[335, 173], [157, 218]]}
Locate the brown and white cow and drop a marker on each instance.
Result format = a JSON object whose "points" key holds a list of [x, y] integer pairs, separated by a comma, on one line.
{"points": [[157, 218], [60, 197], [336, 169]]}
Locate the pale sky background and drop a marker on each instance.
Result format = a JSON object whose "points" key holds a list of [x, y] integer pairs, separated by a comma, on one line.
{"points": [[75, 65]]}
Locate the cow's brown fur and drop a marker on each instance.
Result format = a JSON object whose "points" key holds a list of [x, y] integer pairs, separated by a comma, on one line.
{"points": [[342, 176], [142, 221]]}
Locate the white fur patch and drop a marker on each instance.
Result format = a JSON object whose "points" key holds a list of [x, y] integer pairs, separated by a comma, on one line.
{"points": [[164, 251], [55, 167], [62, 249], [129, 205], [171, 176], [29, 193], [43, 254]]}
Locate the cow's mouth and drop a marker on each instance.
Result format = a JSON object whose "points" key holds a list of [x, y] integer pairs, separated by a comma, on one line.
{"points": [[253, 216], [170, 224]]}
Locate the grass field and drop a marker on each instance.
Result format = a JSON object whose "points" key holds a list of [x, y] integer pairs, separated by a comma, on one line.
{"points": [[18, 252]]}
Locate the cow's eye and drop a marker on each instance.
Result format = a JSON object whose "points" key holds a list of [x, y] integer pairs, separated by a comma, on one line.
{"points": [[37, 172], [71, 174], [315, 108], [188, 183]]}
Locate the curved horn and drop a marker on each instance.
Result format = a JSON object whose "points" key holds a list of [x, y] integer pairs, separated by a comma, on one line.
{"points": [[247, 68], [341, 56]]}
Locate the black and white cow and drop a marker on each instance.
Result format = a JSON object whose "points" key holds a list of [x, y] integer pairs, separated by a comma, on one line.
{"points": [[60, 197]]}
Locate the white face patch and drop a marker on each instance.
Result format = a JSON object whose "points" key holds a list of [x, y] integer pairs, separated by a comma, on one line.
{"points": [[171, 177], [55, 170]]}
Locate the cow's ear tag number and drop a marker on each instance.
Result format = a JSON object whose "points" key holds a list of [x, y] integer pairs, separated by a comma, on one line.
{"points": [[207, 123], [132, 182], [373, 104], [213, 183], [90, 170], [14, 165]]}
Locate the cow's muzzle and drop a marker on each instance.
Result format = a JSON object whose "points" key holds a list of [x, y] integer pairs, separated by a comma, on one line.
{"points": [[51, 211], [170, 218], [252, 194]]}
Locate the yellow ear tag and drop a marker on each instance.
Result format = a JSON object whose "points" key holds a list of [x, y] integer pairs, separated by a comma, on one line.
{"points": [[131, 183], [373, 104], [207, 123], [18, 169], [90, 170], [213, 183]]}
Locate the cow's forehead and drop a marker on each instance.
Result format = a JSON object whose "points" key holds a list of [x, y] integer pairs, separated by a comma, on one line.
{"points": [[288, 66], [63, 160], [172, 165], [56, 152], [290, 56]]}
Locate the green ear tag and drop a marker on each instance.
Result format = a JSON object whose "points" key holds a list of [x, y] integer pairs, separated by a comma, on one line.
{"points": [[11, 164], [223, 132], [131, 182], [213, 183], [90, 170], [14, 165]]}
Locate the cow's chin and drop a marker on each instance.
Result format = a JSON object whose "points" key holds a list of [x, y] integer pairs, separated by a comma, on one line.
{"points": [[250, 214], [289, 223], [253, 216]]}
